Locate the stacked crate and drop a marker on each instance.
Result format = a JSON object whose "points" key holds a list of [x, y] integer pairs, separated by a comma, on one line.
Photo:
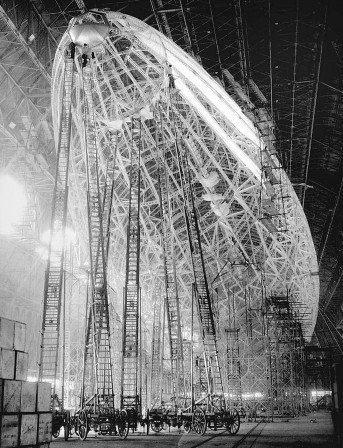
{"points": [[26, 418]]}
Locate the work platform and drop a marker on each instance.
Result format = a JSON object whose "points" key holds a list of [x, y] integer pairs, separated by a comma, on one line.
{"points": [[313, 430]]}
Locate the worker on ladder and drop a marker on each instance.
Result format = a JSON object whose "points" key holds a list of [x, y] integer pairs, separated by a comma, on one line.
{"points": [[171, 77]]}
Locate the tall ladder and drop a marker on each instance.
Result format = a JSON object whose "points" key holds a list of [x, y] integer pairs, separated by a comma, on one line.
{"points": [[156, 365], [172, 299], [88, 363], [108, 192], [204, 304], [233, 366], [98, 330], [201, 381], [54, 272], [130, 354]]}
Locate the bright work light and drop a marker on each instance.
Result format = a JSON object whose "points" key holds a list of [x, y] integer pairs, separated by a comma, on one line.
{"points": [[12, 203]]}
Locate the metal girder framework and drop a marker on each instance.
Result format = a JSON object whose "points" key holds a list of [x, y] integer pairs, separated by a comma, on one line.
{"points": [[29, 35], [172, 17], [24, 110], [328, 335], [282, 357], [259, 42], [40, 27], [233, 367], [226, 160]]}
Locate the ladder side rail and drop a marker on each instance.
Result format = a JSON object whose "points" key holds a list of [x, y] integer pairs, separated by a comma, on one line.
{"points": [[194, 236], [108, 193], [99, 305], [172, 302], [88, 356], [130, 352], [156, 350], [54, 273]]}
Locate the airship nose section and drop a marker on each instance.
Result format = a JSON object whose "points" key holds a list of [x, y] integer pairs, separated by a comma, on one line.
{"points": [[90, 34]]}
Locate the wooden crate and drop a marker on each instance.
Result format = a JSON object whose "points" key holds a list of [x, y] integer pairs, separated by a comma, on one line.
{"points": [[44, 397], [28, 398], [19, 336], [28, 429], [21, 365], [6, 333], [10, 395], [7, 363], [44, 428], [9, 431]]}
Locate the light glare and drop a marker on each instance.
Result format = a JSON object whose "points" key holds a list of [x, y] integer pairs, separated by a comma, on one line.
{"points": [[57, 242], [12, 203]]}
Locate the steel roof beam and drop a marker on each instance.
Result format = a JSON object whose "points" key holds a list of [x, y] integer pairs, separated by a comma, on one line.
{"points": [[24, 44], [314, 107]]}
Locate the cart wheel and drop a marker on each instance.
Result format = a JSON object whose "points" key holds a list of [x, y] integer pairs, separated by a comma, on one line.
{"points": [[123, 424], [56, 433], [233, 421], [156, 426], [147, 422], [72, 429], [187, 427], [199, 422], [66, 425], [82, 425], [82, 432]]}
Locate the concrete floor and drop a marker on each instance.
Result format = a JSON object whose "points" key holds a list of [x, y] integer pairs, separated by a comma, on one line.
{"points": [[314, 430]]}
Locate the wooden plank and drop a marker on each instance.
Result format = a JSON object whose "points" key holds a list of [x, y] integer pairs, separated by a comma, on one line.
{"points": [[6, 333], [9, 431], [19, 336], [44, 428], [44, 397], [11, 396], [28, 429], [21, 365], [28, 397], [7, 363]]}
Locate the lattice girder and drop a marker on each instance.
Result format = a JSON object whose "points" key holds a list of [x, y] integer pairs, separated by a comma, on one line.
{"points": [[231, 183]]}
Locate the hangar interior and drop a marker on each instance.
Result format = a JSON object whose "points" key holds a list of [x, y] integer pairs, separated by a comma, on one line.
{"points": [[171, 213]]}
